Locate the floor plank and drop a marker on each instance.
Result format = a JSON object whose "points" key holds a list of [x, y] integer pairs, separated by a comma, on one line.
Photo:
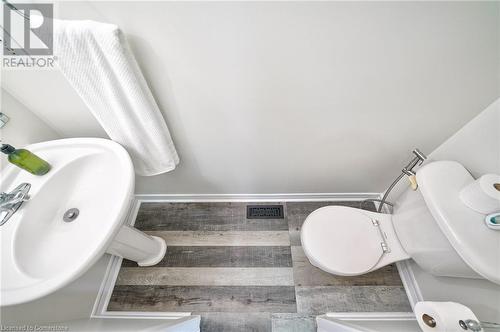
{"points": [[224, 257], [322, 299], [220, 216], [235, 322], [293, 322], [214, 276], [305, 274], [224, 238], [203, 298], [297, 212]]}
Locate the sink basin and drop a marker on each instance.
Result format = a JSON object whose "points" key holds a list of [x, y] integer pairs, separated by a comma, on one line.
{"points": [[40, 251]]}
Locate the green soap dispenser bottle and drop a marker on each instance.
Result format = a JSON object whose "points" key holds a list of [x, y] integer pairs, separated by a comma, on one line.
{"points": [[26, 160]]}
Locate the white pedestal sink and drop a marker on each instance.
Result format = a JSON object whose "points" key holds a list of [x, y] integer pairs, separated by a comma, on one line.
{"points": [[41, 251]]}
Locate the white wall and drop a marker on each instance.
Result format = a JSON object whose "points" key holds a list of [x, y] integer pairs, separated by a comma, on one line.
{"points": [[23, 127], [477, 144], [291, 97]]}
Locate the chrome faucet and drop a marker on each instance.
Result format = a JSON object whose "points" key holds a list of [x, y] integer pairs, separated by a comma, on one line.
{"points": [[416, 161], [10, 202], [407, 170]]}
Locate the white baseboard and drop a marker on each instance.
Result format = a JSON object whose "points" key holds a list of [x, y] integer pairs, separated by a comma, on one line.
{"points": [[108, 283], [372, 315], [302, 197], [409, 282]]}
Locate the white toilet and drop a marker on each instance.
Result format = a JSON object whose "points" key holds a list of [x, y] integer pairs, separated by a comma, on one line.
{"points": [[431, 226], [347, 241]]}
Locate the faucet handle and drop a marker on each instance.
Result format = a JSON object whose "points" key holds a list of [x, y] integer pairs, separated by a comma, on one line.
{"points": [[19, 194], [21, 191], [10, 202], [420, 155]]}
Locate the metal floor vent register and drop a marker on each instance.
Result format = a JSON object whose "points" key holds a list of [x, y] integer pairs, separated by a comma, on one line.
{"points": [[265, 212]]}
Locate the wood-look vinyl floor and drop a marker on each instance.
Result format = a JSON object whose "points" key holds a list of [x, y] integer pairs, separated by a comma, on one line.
{"points": [[245, 274]]}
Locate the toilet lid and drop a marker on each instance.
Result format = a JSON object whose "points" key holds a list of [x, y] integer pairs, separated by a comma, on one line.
{"points": [[341, 240]]}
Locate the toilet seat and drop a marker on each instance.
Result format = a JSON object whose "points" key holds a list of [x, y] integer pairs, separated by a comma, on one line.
{"points": [[347, 241]]}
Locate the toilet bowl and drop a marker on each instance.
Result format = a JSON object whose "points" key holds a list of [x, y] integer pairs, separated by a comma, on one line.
{"points": [[347, 241]]}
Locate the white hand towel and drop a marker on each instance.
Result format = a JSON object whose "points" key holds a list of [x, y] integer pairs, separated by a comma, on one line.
{"points": [[96, 60]]}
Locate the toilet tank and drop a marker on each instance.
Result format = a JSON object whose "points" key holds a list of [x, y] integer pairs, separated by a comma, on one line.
{"points": [[424, 241]]}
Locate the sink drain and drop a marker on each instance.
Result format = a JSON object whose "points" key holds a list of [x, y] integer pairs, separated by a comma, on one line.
{"points": [[71, 215]]}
